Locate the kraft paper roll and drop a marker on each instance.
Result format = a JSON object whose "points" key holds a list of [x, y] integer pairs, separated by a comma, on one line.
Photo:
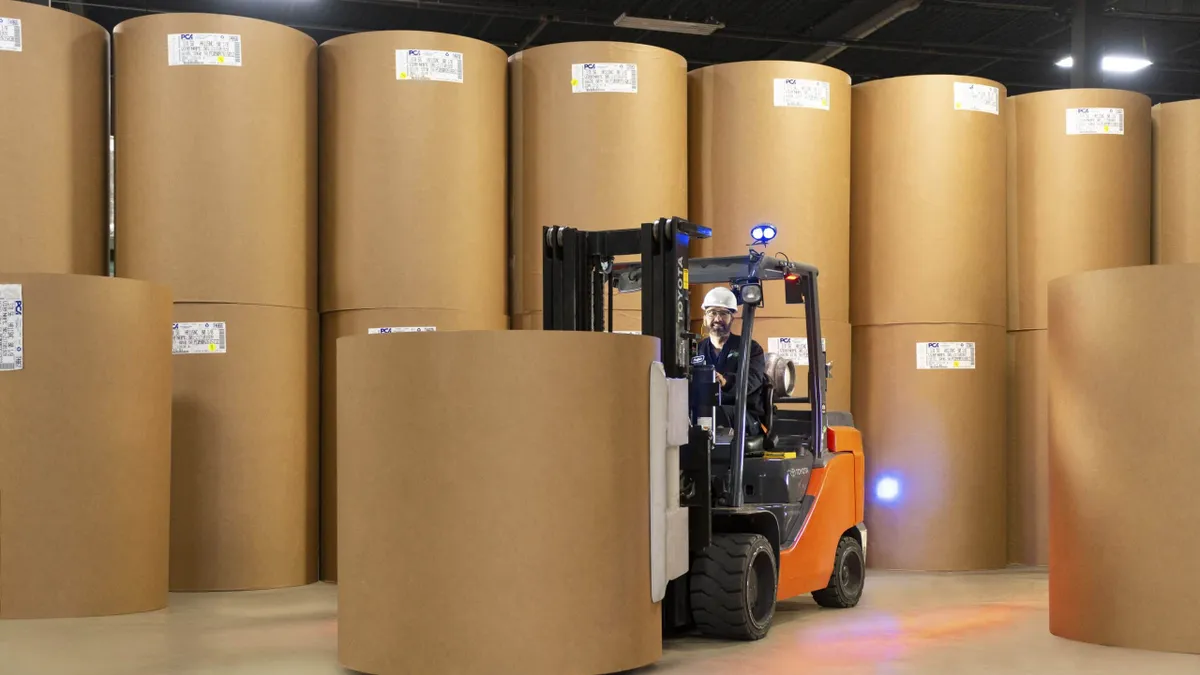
{"points": [[1028, 464], [935, 492], [553, 582], [927, 197], [413, 175], [54, 135], [245, 458], [85, 462], [592, 160], [1177, 182], [335, 325], [1123, 461], [769, 142], [217, 164], [1080, 201]]}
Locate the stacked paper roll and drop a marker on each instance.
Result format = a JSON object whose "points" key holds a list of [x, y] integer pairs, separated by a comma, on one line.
{"points": [[54, 135], [927, 303], [1176, 182], [85, 461], [414, 193], [216, 197], [769, 142], [1079, 199], [599, 134]]}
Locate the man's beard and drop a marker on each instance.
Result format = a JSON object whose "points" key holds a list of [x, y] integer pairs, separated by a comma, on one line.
{"points": [[719, 330]]}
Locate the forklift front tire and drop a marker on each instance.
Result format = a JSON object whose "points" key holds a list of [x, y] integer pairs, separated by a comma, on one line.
{"points": [[733, 586], [849, 575]]}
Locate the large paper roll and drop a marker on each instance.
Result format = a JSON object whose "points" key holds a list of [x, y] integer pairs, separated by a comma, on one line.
{"points": [[1177, 182], [244, 450], [413, 173], [933, 423], [927, 201], [216, 149], [596, 148], [1123, 463], [1028, 463], [769, 142], [335, 325], [54, 135], [1081, 191], [494, 503], [85, 460]]}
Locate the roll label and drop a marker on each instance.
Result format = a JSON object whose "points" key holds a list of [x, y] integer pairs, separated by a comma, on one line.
{"points": [[204, 49], [206, 337], [1086, 121], [604, 78], [794, 349], [795, 93], [627, 332], [401, 329], [976, 97], [10, 35], [945, 356], [12, 328], [429, 65]]}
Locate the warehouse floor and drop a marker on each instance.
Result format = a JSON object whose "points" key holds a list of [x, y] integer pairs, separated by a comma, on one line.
{"points": [[907, 623]]}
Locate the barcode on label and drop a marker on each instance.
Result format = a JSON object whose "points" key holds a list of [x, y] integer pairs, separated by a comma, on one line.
{"points": [[612, 78], [429, 64], [401, 329], [199, 337], [12, 328], [204, 49], [796, 93], [977, 97], [10, 35], [945, 356], [794, 349]]}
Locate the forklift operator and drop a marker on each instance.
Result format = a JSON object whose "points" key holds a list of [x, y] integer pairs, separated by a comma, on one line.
{"points": [[721, 351]]}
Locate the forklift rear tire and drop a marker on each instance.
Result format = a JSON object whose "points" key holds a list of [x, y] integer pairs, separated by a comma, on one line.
{"points": [[848, 578], [733, 586]]}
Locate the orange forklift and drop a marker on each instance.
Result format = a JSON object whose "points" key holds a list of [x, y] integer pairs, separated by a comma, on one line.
{"points": [[771, 515]]}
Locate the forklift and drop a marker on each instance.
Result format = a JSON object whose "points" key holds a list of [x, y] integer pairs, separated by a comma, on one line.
{"points": [[771, 515]]}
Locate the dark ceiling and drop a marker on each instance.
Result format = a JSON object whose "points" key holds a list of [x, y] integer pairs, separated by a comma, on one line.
{"points": [[1013, 41]]}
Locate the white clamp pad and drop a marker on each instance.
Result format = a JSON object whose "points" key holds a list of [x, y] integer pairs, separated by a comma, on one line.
{"points": [[668, 520]]}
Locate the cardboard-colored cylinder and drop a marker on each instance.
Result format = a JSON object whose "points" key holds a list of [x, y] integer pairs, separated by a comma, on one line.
{"points": [[1080, 201], [217, 164], [1028, 464], [623, 321], [335, 325], [757, 155], [1123, 460], [592, 160], [935, 492], [413, 176], [85, 460], [927, 196], [1176, 182], [54, 135], [244, 452], [443, 567]]}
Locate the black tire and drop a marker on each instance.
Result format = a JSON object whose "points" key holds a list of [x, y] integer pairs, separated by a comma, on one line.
{"points": [[733, 586], [848, 578]]}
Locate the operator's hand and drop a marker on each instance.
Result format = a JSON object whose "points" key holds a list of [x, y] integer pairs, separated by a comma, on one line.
{"points": [[721, 379]]}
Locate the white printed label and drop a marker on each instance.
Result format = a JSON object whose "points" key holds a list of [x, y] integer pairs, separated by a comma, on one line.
{"points": [[10, 35], [977, 97], [627, 332], [401, 329], [612, 78], [204, 49], [794, 349], [12, 328], [945, 356], [793, 93], [429, 64], [206, 337], [1083, 121]]}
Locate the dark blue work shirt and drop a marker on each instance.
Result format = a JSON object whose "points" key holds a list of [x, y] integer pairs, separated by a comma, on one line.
{"points": [[725, 362]]}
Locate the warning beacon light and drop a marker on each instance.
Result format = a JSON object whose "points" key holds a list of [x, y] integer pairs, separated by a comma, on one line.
{"points": [[762, 233]]}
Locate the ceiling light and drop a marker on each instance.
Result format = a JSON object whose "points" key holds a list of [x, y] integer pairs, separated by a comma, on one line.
{"points": [[1114, 64], [667, 25]]}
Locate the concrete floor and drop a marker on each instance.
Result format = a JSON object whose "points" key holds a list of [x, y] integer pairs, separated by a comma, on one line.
{"points": [[957, 624]]}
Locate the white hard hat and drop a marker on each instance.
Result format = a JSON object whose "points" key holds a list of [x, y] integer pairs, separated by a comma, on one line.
{"points": [[721, 297]]}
